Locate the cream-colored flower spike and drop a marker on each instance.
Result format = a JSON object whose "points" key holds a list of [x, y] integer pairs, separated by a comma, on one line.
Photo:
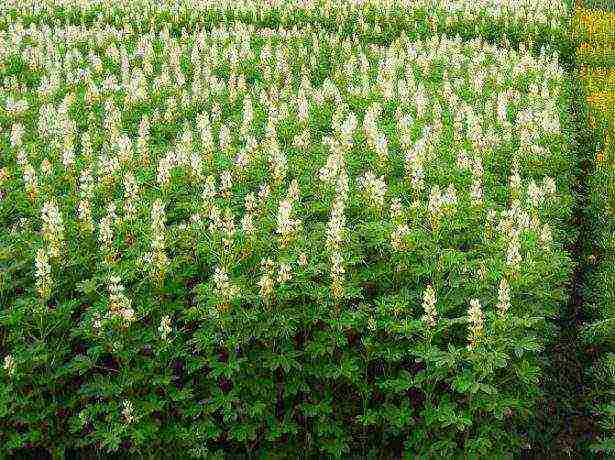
{"points": [[53, 228], [9, 365], [476, 326], [158, 257], [120, 305], [43, 274], [165, 327], [374, 189], [128, 411], [429, 306], [503, 297]]}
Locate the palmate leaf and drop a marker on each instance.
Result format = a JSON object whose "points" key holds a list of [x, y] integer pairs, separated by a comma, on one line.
{"points": [[527, 372]]}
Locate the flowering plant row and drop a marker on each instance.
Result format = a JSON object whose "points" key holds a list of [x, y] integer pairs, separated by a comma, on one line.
{"points": [[239, 239], [537, 22]]}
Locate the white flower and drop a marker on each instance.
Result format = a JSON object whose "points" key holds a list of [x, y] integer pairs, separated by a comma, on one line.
{"points": [[302, 260], [43, 273], [463, 160], [128, 411], [165, 327], [119, 305], [9, 365], [429, 306], [165, 165], [224, 138], [374, 188], [398, 235], [549, 187], [382, 149], [503, 297], [476, 191], [29, 177], [286, 226], [17, 132], [534, 193], [515, 179], [284, 272], [396, 209], [53, 228], [46, 167], [476, 319], [545, 235], [223, 286], [226, 182], [302, 108], [266, 285], [158, 256], [247, 224], [105, 235], [513, 253], [209, 188]]}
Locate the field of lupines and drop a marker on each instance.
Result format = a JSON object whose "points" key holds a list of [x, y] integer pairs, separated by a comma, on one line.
{"points": [[328, 227]]}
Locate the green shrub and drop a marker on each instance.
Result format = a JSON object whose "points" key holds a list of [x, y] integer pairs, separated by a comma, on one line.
{"points": [[238, 239], [599, 332], [536, 23]]}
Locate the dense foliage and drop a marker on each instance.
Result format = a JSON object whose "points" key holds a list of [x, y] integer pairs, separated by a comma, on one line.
{"points": [[239, 226], [594, 30], [599, 332], [596, 58], [535, 23]]}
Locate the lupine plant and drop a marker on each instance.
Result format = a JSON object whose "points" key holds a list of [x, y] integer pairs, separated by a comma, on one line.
{"points": [[533, 22], [234, 238]]}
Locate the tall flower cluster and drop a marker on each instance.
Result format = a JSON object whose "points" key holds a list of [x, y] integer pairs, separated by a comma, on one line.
{"points": [[441, 203], [376, 140], [120, 306], [398, 236], [476, 323], [430, 315], [513, 251], [269, 277], [374, 188], [277, 160], [266, 282], [9, 365], [335, 235], [44, 280], [131, 194], [128, 411], [157, 257], [30, 181], [142, 140], [339, 146], [165, 327], [414, 162], [335, 162], [223, 288], [287, 227], [86, 193], [503, 297], [53, 229]]}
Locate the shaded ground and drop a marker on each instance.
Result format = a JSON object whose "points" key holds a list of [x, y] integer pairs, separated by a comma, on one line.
{"points": [[566, 425]]}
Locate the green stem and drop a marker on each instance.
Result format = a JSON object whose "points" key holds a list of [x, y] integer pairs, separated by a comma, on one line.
{"points": [[57, 453]]}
